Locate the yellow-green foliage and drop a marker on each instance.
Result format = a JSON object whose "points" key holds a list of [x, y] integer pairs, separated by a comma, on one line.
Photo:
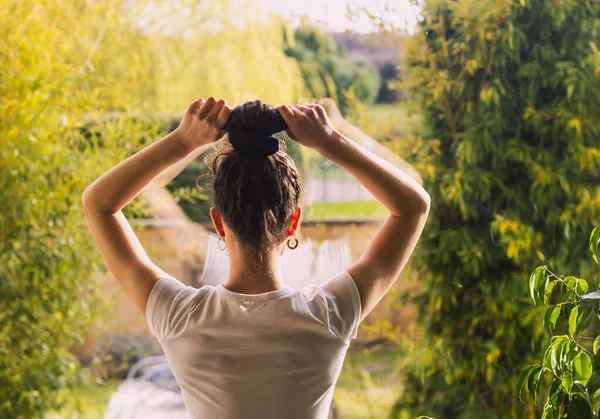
{"points": [[508, 92], [62, 65], [235, 63]]}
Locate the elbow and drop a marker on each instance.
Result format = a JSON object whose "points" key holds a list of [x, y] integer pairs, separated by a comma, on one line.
{"points": [[426, 202], [421, 208], [421, 204], [417, 208], [87, 200]]}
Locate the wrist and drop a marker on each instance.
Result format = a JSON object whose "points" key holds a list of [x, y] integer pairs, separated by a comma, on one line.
{"points": [[182, 142], [329, 143]]}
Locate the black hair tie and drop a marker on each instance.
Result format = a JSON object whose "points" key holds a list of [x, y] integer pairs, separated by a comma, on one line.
{"points": [[248, 142], [259, 142]]}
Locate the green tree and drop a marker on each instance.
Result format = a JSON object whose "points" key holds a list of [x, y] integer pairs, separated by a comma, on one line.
{"points": [[508, 92], [326, 70], [48, 85]]}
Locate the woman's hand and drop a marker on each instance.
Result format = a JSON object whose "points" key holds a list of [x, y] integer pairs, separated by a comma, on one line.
{"points": [[309, 125], [203, 122]]}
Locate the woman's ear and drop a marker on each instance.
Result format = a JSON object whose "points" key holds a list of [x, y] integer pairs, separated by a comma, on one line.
{"points": [[295, 221], [216, 220]]}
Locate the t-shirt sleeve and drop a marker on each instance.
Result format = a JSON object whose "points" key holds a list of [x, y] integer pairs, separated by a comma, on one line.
{"points": [[169, 305], [341, 299]]}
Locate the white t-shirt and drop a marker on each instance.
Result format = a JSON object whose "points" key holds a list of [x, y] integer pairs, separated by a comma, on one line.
{"points": [[271, 355]]}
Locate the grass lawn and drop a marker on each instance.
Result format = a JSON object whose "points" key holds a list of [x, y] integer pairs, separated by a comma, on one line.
{"points": [[346, 209], [89, 402], [368, 384]]}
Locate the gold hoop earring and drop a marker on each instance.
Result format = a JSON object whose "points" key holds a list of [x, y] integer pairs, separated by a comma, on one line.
{"points": [[221, 243], [295, 244]]}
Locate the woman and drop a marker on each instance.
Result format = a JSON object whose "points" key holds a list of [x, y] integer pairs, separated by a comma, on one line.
{"points": [[254, 347]]}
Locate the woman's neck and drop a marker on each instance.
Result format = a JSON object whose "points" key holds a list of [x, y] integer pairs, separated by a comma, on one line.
{"points": [[246, 279]]}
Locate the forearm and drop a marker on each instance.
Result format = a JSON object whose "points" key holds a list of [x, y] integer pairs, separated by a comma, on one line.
{"points": [[400, 193], [117, 187]]}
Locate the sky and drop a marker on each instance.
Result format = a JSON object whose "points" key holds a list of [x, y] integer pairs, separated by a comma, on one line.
{"points": [[333, 13]]}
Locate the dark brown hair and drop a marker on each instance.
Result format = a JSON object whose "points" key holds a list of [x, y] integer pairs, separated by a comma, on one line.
{"points": [[254, 194]]}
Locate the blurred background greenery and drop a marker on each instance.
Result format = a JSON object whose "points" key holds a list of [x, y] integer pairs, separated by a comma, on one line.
{"points": [[495, 103]]}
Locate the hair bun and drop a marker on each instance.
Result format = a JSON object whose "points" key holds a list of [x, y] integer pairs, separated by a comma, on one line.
{"points": [[251, 143], [251, 126]]}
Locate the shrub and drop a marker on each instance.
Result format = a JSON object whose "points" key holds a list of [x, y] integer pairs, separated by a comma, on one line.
{"points": [[509, 154]]}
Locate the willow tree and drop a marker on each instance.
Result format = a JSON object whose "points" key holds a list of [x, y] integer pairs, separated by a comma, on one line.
{"points": [[509, 92]]}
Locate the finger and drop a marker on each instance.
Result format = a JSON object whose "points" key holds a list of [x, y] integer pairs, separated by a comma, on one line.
{"points": [[223, 116], [205, 110], [197, 104], [288, 113], [317, 108], [214, 112], [305, 109]]}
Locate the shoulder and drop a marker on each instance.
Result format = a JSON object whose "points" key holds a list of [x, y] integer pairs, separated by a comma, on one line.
{"points": [[167, 287], [171, 302], [337, 303]]}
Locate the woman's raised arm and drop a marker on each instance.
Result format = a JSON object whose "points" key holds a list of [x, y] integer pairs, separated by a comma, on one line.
{"points": [[408, 203], [103, 200]]}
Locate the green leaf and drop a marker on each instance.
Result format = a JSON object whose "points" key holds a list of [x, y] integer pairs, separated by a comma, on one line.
{"points": [[550, 317], [579, 319], [597, 281], [522, 379], [583, 319], [580, 388], [554, 317], [554, 394], [596, 362], [570, 352], [550, 358], [595, 345], [546, 320], [582, 286], [593, 383], [567, 380], [551, 353], [573, 320], [596, 400], [579, 408], [595, 244], [550, 412], [571, 284], [548, 290], [534, 383], [582, 367], [537, 284]]}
